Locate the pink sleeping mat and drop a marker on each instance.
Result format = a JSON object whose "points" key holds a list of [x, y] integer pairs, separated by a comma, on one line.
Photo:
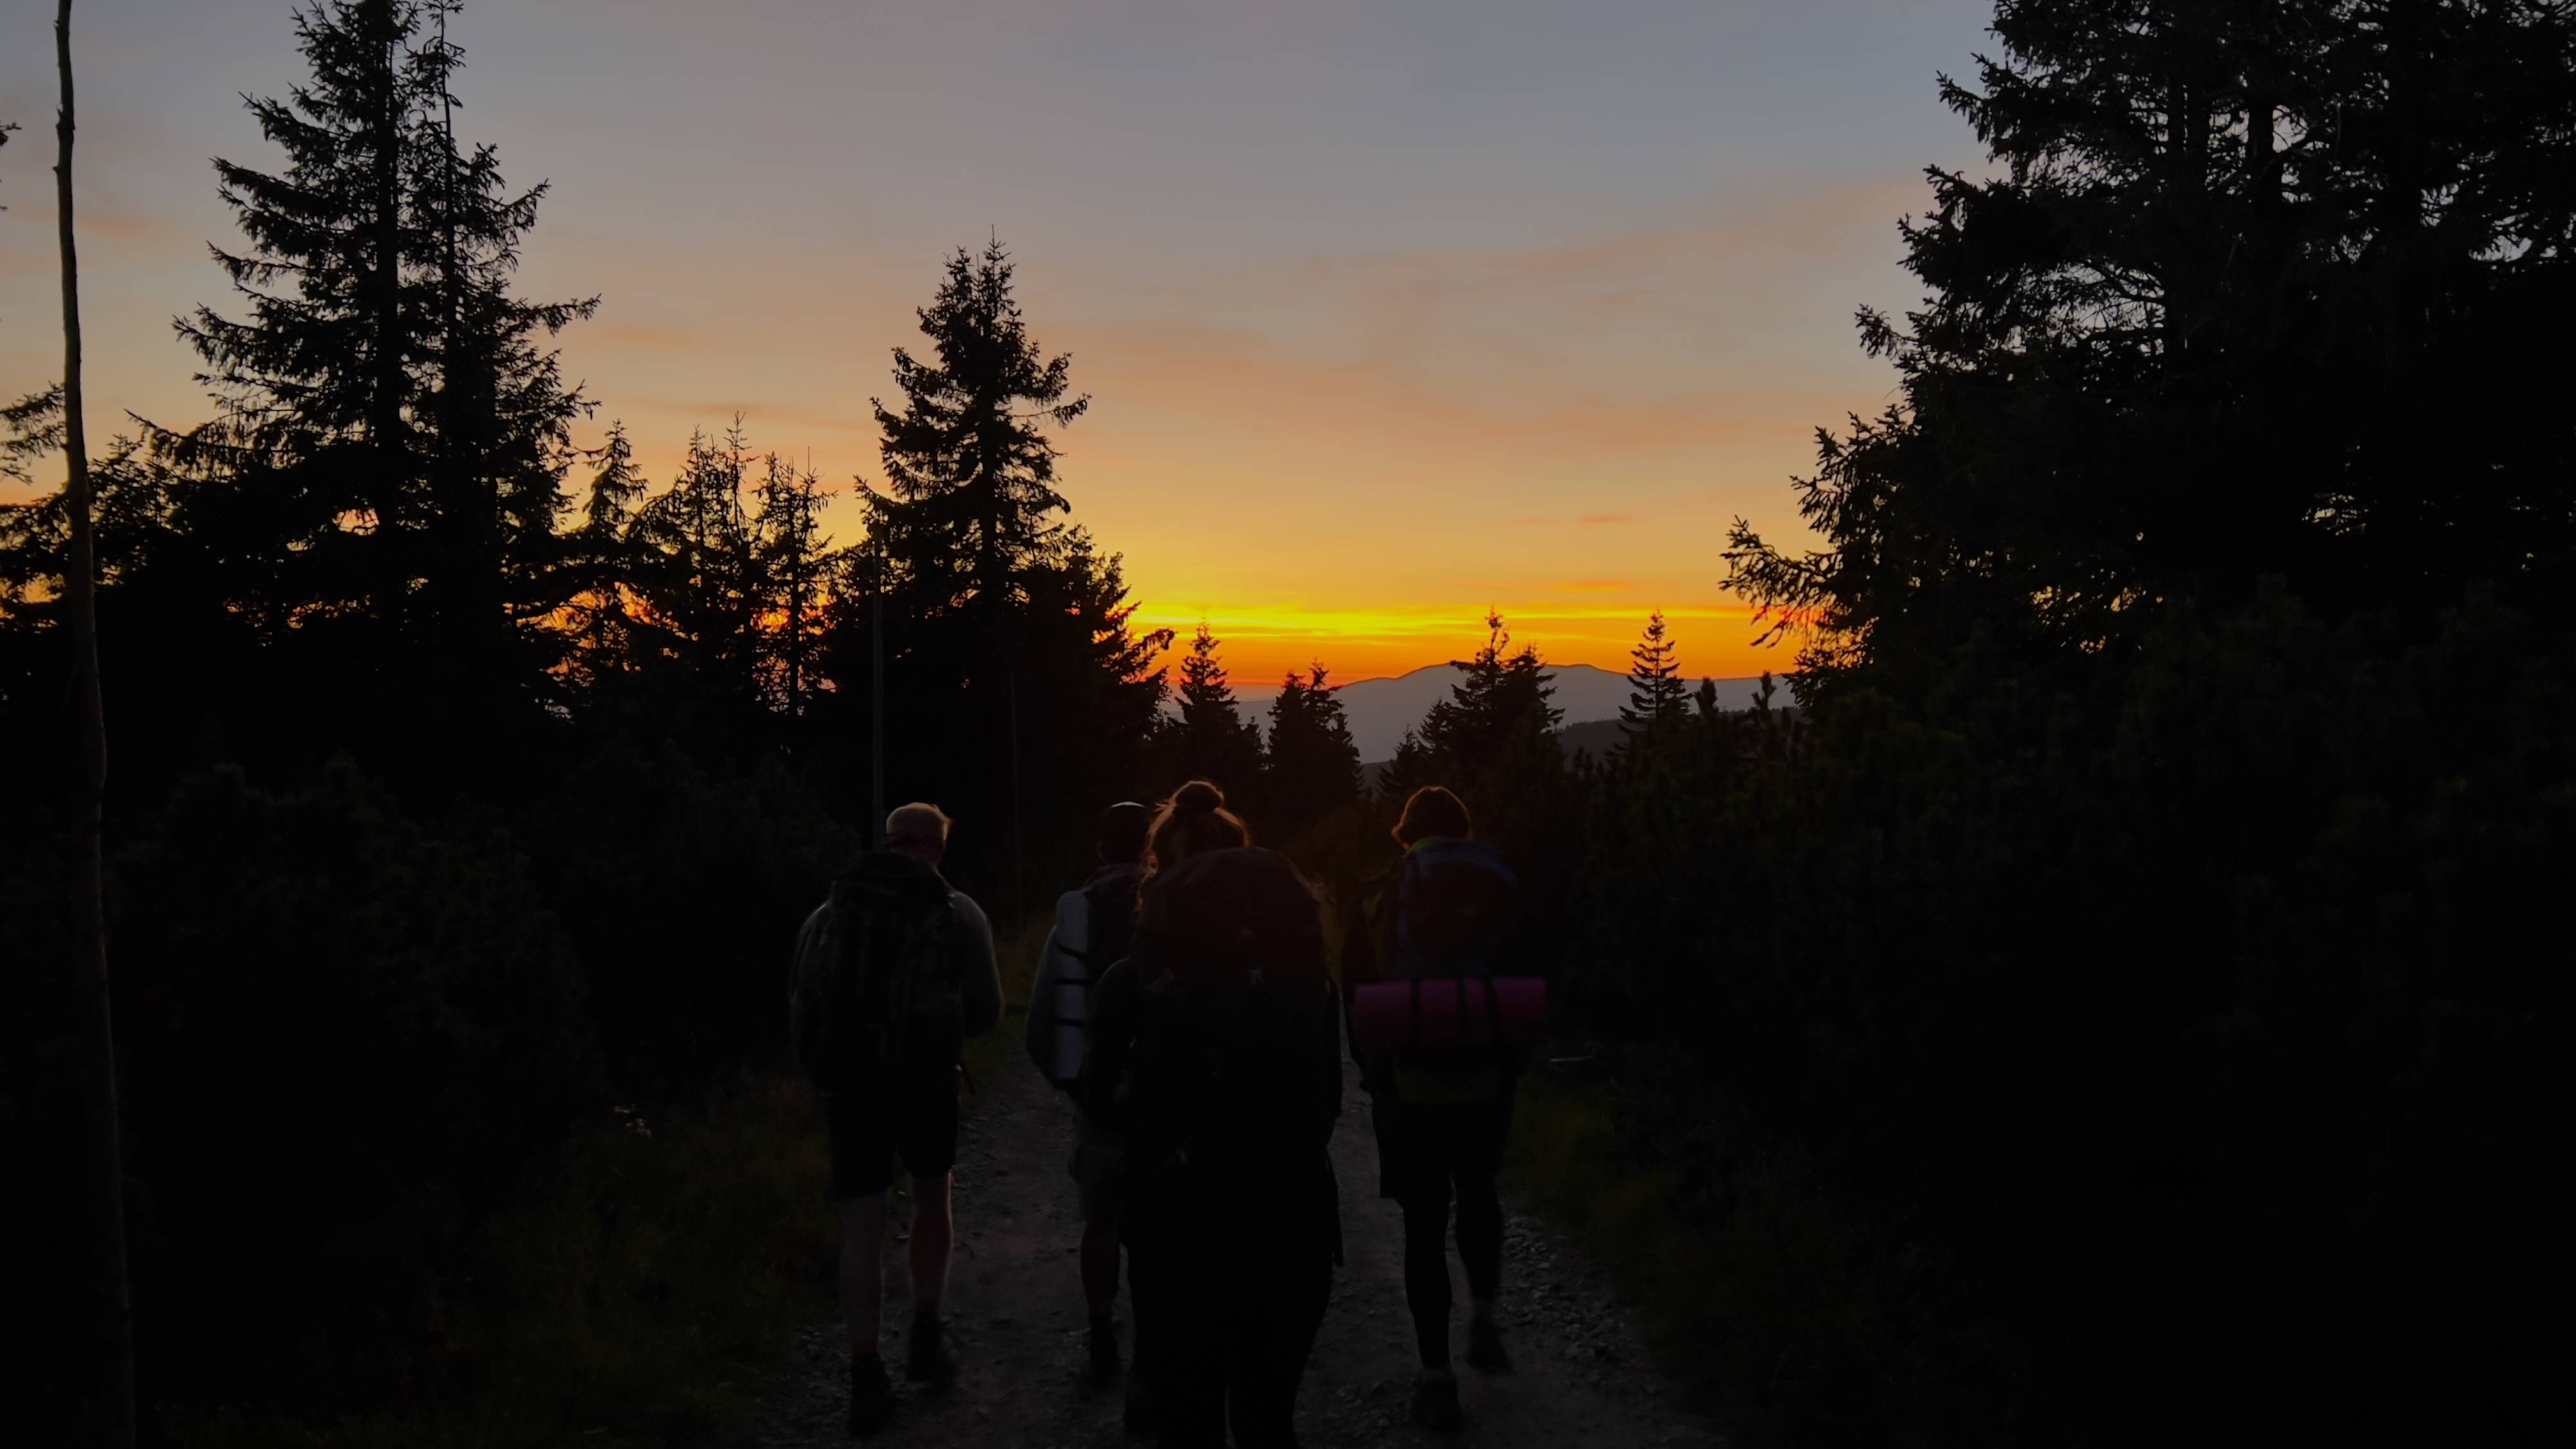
{"points": [[1450, 1011]]}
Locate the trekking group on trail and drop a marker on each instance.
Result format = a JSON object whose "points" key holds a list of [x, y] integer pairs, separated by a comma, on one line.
{"points": [[1186, 1003]]}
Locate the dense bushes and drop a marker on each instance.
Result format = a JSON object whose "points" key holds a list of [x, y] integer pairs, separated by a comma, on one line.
{"points": [[683, 890], [369, 1064], [2185, 1024], [344, 1042]]}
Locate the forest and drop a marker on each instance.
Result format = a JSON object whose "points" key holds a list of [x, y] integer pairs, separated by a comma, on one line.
{"points": [[2112, 1006]]}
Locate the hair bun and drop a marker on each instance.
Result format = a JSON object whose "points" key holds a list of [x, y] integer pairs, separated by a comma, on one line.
{"points": [[1198, 795]]}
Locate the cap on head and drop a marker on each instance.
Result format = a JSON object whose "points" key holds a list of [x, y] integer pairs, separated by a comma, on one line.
{"points": [[1433, 811], [1122, 831], [924, 827]]}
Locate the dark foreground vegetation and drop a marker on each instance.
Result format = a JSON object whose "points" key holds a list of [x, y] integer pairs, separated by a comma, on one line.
{"points": [[2118, 1005]]}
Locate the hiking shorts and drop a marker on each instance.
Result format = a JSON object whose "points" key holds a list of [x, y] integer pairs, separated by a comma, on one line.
{"points": [[1099, 1169], [916, 1122]]}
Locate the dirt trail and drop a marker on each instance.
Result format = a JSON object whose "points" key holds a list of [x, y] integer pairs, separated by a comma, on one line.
{"points": [[1016, 1316]]}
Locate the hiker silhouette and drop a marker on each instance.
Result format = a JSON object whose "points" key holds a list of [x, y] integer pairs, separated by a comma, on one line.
{"points": [[1440, 1014], [1093, 925], [892, 974], [1214, 1056]]}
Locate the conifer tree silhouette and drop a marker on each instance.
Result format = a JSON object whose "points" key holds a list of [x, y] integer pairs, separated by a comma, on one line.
{"points": [[1314, 767], [1657, 698], [795, 561], [1009, 635], [2248, 292], [1408, 770], [1214, 741], [1498, 712], [970, 497], [393, 427]]}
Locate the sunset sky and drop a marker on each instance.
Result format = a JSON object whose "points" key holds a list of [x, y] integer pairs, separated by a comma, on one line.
{"points": [[1389, 312]]}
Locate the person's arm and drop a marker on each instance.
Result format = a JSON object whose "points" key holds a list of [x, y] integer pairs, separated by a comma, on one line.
{"points": [[812, 938], [979, 976]]}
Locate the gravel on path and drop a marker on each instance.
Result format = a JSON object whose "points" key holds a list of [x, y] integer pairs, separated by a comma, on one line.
{"points": [[1016, 1316]]}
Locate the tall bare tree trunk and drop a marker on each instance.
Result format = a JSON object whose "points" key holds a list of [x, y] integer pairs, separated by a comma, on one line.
{"points": [[114, 1303]]}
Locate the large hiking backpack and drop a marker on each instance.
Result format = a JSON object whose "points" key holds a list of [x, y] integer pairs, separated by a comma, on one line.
{"points": [[1109, 918], [1446, 1028], [1233, 1078], [1453, 905], [881, 991], [1102, 916]]}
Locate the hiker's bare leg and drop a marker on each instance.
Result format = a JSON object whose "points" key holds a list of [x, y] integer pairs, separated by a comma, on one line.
{"points": [[933, 1228], [863, 1227]]}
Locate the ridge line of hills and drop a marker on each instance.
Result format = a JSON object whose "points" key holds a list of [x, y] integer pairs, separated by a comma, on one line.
{"points": [[1381, 710]]}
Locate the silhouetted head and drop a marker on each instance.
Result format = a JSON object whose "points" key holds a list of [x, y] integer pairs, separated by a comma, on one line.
{"points": [[1123, 828], [918, 830], [1433, 811], [1193, 821]]}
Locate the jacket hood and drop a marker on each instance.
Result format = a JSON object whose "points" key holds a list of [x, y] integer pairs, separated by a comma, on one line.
{"points": [[892, 872]]}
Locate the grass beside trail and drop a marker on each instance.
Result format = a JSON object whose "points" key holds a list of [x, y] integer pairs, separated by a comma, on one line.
{"points": [[1797, 1318], [628, 1299], [1002, 1050], [1564, 1160], [639, 1293]]}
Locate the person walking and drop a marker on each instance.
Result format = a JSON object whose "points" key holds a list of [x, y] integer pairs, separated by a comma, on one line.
{"points": [[1447, 909], [892, 974], [1214, 1053], [1093, 925]]}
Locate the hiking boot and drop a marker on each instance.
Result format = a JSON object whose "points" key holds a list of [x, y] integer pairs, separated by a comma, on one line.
{"points": [[1485, 1352], [871, 1395], [1102, 1371], [930, 1360], [1435, 1401]]}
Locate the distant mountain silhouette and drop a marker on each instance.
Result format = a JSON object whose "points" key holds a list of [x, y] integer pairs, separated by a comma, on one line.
{"points": [[1381, 710]]}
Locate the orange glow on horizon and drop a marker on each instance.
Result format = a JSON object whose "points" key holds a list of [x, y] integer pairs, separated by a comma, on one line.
{"points": [[1258, 646]]}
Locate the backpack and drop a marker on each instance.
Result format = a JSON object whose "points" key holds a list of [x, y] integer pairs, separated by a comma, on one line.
{"points": [[880, 992], [1060, 1000], [1454, 910], [1109, 918], [1233, 1077], [1453, 905]]}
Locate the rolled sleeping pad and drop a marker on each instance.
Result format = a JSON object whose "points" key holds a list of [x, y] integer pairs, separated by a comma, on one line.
{"points": [[1450, 1011]]}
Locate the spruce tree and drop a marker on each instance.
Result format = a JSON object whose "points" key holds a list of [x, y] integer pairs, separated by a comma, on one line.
{"points": [[1212, 739], [970, 494], [1657, 698], [699, 577], [601, 555], [1017, 685], [2245, 293], [796, 568], [499, 413], [617, 488], [388, 410], [337, 330], [1411, 768], [1314, 767], [1497, 716]]}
